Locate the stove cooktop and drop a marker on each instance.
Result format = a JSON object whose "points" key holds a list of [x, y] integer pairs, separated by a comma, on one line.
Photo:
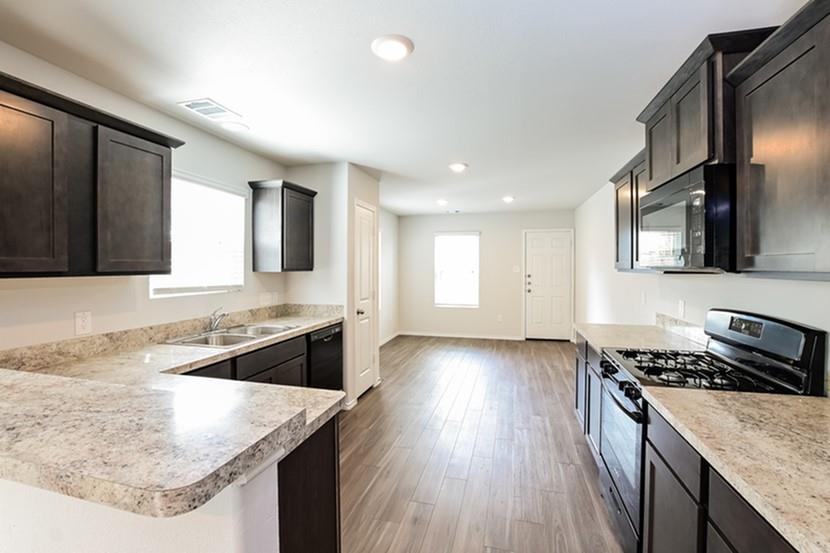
{"points": [[689, 369]]}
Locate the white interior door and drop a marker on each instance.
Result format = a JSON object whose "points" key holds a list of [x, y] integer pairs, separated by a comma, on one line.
{"points": [[548, 295], [365, 299]]}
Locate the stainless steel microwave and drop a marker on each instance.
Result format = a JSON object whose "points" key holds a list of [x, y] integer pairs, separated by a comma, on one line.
{"points": [[688, 223]]}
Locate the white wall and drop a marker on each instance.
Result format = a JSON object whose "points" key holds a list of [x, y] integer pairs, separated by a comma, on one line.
{"points": [[388, 276], [501, 280], [40, 310], [606, 296], [327, 283]]}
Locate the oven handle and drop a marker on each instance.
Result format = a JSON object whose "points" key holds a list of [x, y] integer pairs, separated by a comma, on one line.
{"points": [[636, 416]]}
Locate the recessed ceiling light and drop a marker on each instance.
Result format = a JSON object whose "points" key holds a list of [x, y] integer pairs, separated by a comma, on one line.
{"points": [[442, 202], [234, 126], [458, 167], [392, 47], [508, 199]]}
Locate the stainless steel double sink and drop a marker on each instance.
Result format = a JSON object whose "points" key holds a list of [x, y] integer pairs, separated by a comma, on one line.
{"points": [[234, 336]]}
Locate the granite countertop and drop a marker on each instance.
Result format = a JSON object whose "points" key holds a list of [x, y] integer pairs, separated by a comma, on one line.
{"points": [[634, 336], [773, 449], [128, 431]]}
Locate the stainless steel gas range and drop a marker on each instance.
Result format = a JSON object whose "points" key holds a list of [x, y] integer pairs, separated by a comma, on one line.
{"points": [[746, 352]]}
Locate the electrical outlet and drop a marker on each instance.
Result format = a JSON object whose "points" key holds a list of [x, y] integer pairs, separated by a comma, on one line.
{"points": [[681, 308], [643, 298], [264, 299], [500, 318], [517, 269], [83, 322]]}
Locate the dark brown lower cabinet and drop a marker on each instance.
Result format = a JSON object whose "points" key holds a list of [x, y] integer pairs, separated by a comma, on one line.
{"points": [[671, 517], [739, 523], [715, 542], [594, 395], [290, 373], [223, 369], [579, 386], [309, 494]]}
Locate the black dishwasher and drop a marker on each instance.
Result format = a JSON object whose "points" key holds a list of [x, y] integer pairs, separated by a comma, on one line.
{"points": [[325, 358]]}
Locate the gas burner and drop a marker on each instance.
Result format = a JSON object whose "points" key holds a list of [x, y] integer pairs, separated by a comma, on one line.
{"points": [[672, 378], [720, 382]]}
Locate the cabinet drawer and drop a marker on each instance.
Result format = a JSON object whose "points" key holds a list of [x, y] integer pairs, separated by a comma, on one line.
{"points": [[715, 542], [290, 373], [684, 461], [256, 362], [739, 523], [223, 369]]}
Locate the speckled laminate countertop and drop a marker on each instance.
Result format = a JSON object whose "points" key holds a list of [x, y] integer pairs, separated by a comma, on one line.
{"points": [[773, 449], [634, 336], [128, 431]]}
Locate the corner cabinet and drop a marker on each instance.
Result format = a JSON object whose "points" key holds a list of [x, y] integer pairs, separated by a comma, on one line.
{"points": [[691, 120], [628, 183], [82, 193], [783, 149], [283, 226]]}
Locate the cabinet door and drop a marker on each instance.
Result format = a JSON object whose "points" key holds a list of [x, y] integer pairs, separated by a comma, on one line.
{"points": [[290, 373], [671, 518], [783, 121], [594, 407], [691, 141], [659, 158], [298, 231], [579, 386], [133, 204], [33, 187], [309, 494], [638, 190], [223, 370], [624, 197]]}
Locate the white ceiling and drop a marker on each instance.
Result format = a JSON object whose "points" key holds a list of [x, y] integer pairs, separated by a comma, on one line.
{"points": [[538, 96]]}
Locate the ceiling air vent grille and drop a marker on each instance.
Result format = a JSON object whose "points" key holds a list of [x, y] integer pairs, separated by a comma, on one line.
{"points": [[210, 108]]}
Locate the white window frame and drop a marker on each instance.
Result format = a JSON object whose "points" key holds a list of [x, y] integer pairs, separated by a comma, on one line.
{"points": [[477, 305], [178, 291]]}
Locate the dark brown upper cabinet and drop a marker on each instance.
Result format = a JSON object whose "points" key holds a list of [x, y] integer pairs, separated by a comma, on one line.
{"points": [[133, 204], [283, 223], [783, 149], [82, 192], [626, 195], [34, 198], [691, 120]]}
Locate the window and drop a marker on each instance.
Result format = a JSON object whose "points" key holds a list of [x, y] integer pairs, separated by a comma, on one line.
{"points": [[456, 269], [208, 241]]}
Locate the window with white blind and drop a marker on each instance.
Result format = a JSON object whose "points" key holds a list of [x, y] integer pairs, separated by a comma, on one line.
{"points": [[208, 241], [456, 269]]}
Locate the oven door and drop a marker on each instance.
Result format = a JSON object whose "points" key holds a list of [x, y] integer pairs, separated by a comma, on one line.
{"points": [[673, 226], [621, 444]]}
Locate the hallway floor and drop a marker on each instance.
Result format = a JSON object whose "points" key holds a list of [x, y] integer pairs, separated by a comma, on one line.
{"points": [[470, 446]]}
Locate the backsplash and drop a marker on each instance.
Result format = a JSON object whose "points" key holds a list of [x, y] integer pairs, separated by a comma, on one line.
{"points": [[687, 330], [43, 355]]}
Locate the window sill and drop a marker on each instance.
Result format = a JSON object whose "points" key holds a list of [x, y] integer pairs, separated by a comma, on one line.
{"points": [[172, 293]]}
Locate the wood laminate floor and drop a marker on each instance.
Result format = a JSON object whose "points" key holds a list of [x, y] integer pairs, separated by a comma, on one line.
{"points": [[470, 446]]}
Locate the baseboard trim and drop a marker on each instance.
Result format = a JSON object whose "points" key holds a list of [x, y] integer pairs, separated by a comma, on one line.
{"points": [[349, 405], [389, 338], [455, 335]]}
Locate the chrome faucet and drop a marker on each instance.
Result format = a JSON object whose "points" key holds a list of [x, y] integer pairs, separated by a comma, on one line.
{"points": [[216, 319]]}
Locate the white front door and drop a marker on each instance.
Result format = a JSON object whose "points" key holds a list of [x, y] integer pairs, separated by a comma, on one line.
{"points": [[548, 294], [365, 299]]}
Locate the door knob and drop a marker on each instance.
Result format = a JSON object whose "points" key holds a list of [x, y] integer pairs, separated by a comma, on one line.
{"points": [[361, 312], [528, 290]]}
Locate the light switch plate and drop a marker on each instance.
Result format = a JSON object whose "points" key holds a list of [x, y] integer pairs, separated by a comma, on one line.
{"points": [[681, 308], [83, 323]]}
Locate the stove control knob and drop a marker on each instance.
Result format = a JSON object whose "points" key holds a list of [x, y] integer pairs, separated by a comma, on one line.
{"points": [[607, 368], [632, 392]]}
